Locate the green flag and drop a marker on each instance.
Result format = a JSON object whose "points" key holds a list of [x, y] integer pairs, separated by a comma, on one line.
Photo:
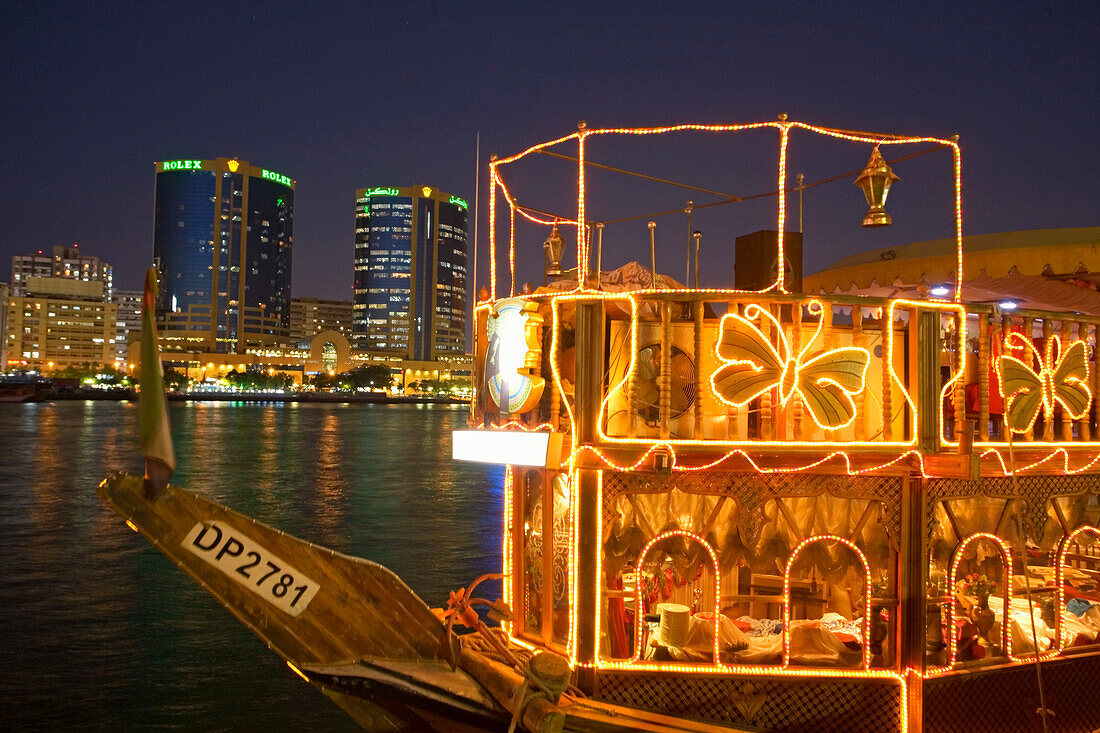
{"points": [[156, 438]]}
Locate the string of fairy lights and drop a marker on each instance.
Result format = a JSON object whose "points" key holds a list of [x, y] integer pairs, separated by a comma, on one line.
{"points": [[782, 125], [737, 454]]}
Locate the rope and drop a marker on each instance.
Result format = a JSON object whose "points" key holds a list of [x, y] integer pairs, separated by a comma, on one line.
{"points": [[1043, 710], [523, 655], [738, 199]]}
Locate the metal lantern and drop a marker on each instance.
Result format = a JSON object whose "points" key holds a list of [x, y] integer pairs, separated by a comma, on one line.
{"points": [[554, 247], [875, 180]]}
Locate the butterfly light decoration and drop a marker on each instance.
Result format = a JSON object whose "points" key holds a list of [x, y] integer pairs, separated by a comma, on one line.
{"points": [[753, 364], [1063, 378]]}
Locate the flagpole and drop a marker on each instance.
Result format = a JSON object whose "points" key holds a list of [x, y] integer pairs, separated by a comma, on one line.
{"points": [[471, 286], [155, 436]]}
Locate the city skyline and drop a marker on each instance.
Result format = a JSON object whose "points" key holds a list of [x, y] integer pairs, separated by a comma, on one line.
{"points": [[108, 91]]}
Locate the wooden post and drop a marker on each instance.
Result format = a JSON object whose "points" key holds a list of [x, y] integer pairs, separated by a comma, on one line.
{"points": [[997, 339], [796, 347], [1027, 326], [887, 356], [698, 308], [1067, 421], [555, 393], [1083, 429], [766, 398], [861, 399], [664, 380], [1048, 420], [924, 367], [632, 384], [1095, 375], [958, 393], [732, 429], [983, 377], [911, 590], [589, 394]]}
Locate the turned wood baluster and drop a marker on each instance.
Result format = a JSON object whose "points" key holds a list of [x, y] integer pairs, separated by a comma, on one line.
{"points": [[664, 382], [983, 377], [861, 399], [632, 384], [698, 307], [1083, 430], [796, 346], [555, 393], [958, 389], [532, 418], [996, 341], [1067, 421], [887, 407], [1048, 419], [1027, 328], [732, 416], [827, 332], [1006, 329], [1094, 377], [766, 398]]}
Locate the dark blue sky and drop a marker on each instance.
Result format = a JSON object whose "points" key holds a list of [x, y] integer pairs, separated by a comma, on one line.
{"points": [[365, 93]]}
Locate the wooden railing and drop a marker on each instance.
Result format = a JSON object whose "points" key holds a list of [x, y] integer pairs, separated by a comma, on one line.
{"points": [[809, 372]]}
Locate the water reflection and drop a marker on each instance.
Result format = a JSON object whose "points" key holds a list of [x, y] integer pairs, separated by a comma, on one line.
{"points": [[102, 631]]}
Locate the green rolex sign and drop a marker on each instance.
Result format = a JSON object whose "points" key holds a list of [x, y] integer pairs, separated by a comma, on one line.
{"points": [[277, 177], [181, 165], [459, 202]]}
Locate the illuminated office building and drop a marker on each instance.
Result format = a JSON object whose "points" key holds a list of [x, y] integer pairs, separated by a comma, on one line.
{"points": [[410, 273], [60, 322], [310, 316], [128, 320], [67, 262], [222, 239]]}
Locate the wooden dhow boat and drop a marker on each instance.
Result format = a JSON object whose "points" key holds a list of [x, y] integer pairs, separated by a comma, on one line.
{"points": [[740, 508]]}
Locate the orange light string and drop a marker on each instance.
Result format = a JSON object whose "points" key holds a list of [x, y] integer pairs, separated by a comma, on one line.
{"points": [[492, 230]]}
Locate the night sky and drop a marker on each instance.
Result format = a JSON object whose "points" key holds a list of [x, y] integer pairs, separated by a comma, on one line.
{"points": [[390, 94]]}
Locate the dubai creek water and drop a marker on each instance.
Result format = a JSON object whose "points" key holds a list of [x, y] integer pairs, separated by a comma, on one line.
{"points": [[101, 631]]}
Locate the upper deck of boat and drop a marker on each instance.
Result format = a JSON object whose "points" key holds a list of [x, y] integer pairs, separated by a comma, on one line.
{"points": [[641, 373]]}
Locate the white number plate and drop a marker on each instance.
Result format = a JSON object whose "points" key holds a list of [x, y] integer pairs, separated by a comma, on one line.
{"points": [[254, 567]]}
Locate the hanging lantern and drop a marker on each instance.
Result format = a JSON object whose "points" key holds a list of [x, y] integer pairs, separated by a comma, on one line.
{"points": [[875, 180], [554, 248]]}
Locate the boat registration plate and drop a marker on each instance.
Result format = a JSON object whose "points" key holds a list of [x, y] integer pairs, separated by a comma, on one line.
{"points": [[253, 566]]}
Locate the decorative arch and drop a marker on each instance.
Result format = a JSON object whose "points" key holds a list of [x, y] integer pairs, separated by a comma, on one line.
{"points": [[1006, 572], [640, 617], [339, 341], [866, 645], [1060, 580]]}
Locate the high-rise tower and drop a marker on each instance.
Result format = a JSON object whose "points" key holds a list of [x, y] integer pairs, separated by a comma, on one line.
{"points": [[222, 240], [410, 272]]}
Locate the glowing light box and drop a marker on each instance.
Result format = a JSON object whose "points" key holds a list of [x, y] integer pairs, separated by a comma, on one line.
{"points": [[507, 447]]}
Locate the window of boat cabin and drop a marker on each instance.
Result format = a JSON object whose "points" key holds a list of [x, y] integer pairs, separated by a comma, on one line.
{"points": [[542, 559], [977, 582], [672, 557], [1078, 575], [977, 575]]}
